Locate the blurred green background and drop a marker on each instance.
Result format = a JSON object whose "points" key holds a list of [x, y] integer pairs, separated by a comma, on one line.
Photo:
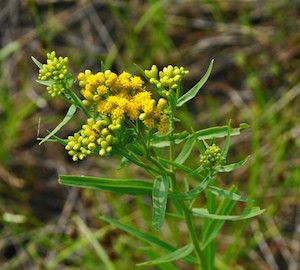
{"points": [[256, 47]]}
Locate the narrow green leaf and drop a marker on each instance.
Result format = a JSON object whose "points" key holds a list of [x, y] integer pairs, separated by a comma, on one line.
{"points": [[233, 166], [46, 83], [164, 266], [37, 62], [193, 92], [148, 238], [123, 163], [59, 140], [67, 118], [212, 228], [176, 165], [227, 142], [218, 132], [193, 193], [175, 255], [159, 200], [124, 186], [164, 140], [136, 149], [186, 150], [227, 194], [172, 101], [247, 213]]}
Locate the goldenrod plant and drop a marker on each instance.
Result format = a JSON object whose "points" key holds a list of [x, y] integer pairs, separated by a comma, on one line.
{"points": [[133, 117]]}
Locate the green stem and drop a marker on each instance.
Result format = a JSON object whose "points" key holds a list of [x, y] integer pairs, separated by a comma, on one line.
{"points": [[78, 102], [172, 150], [193, 234], [136, 161]]}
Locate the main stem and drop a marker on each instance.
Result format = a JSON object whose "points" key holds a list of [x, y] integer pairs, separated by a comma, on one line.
{"points": [[78, 102], [186, 211], [193, 234]]}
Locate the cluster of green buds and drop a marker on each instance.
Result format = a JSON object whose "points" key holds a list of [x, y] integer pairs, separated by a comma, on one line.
{"points": [[54, 72], [212, 156], [169, 78], [93, 135]]}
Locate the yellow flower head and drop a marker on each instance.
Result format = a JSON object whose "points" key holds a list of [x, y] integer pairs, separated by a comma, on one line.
{"points": [[123, 96]]}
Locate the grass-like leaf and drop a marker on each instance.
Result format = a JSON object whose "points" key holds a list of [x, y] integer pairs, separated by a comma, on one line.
{"points": [[186, 150], [193, 193], [212, 227], [193, 92], [233, 166], [247, 213], [176, 165], [46, 83], [227, 194], [100, 250], [219, 132], [175, 255], [227, 142], [67, 118], [124, 186], [164, 140], [164, 266], [37, 62], [159, 200], [146, 237]]}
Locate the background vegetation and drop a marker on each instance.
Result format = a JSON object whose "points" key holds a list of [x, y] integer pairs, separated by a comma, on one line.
{"points": [[256, 47]]}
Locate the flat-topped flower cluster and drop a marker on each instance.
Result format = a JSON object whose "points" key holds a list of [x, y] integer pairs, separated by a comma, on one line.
{"points": [[115, 100]]}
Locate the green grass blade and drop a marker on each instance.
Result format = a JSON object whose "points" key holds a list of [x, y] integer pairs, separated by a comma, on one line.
{"points": [[146, 237], [227, 194], [9, 49], [233, 166], [100, 251], [194, 90], [124, 186], [67, 118], [159, 200], [148, 15], [175, 255], [186, 150], [247, 213]]}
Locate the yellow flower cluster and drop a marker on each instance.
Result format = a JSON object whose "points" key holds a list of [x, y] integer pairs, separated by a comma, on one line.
{"points": [[123, 96], [168, 79], [93, 135], [54, 71]]}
